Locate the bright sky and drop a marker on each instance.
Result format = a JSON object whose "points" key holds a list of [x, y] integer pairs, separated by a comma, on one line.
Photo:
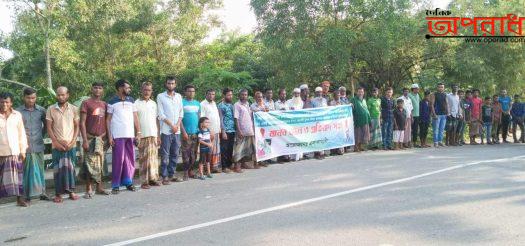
{"points": [[235, 14]]}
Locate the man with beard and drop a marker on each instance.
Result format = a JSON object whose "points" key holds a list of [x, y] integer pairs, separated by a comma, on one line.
{"points": [[342, 95], [170, 111], [93, 131], [123, 129], [227, 131], [361, 120], [13, 145], [63, 127], [296, 103], [305, 96], [34, 117]]}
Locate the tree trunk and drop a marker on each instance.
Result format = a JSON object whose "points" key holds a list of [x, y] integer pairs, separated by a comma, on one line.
{"points": [[48, 63]]}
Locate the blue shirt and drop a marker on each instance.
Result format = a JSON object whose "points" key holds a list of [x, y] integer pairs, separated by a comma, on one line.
{"points": [[424, 111], [505, 102], [226, 114], [518, 109], [192, 111]]}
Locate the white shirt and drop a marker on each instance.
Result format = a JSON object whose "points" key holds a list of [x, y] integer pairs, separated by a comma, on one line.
{"points": [[282, 106], [298, 104], [13, 139], [122, 124], [270, 104], [407, 105], [147, 111], [169, 107], [210, 110], [453, 105]]}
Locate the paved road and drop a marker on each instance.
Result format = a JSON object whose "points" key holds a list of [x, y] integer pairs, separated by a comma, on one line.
{"points": [[446, 196]]}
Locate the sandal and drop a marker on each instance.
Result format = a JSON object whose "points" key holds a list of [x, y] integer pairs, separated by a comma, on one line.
{"points": [[115, 191], [103, 192], [131, 188], [155, 183], [145, 186], [88, 195], [44, 197], [58, 199], [73, 197]]}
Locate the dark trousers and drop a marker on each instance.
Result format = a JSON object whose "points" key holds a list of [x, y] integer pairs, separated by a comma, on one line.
{"points": [[504, 126], [415, 128], [518, 122], [169, 153], [423, 130], [227, 150], [189, 151]]}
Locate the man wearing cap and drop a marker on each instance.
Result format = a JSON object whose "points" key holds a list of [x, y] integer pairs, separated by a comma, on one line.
{"points": [[305, 96], [319, 102], [342, 95], [416, 99], [295, 103]]}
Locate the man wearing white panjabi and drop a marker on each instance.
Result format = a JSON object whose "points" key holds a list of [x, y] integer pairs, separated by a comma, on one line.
{"points": [[296, 103]]}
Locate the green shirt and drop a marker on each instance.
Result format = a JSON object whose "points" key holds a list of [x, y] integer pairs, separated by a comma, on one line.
{"points": [[374, 107], [415, 103], [360, 110]]}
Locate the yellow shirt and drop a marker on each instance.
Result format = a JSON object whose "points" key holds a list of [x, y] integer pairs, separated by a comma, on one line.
{"points": [[13, 139], [63, 122]]}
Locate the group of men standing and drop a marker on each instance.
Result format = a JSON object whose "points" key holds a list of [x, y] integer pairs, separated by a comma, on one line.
{"points": [[170, 124]]}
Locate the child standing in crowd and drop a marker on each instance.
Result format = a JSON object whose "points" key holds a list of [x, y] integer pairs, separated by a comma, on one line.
{"points": [[424, 119], [205, 140], [497, 111], [399, 124], [487, 117]]}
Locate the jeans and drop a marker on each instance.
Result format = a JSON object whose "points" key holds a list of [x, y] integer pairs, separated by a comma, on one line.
{"points": [[169, 152], [387, 131], [487, 127], [438, 127]]}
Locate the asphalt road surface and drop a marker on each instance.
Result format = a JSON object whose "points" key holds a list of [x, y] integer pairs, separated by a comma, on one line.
{"points": [[445, 196]]}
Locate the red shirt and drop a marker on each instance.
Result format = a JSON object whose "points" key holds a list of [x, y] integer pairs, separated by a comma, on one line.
{"points": [[95, 116], [476, 107]]}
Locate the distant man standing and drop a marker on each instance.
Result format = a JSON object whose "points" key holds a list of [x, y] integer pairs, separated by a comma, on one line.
{"points": [[295, 103], [209, 110], [454, 116], [416, 100], [170, 111], [63, 127], [34, 117], [268, 99], [475, 116], [244, 148], [506, 104], [281, 103], [13, 145], [190, 129], [227, 132], [150, 141], [388, 105], [325, 85], [407, 104], [374, 108], [343, 97], [518, 118], [93, 131], [305, 96], [439, 112], [361, 120], [123, 129]]}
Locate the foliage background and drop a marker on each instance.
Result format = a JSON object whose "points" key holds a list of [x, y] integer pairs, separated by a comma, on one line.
{"points": [[370, 43]]}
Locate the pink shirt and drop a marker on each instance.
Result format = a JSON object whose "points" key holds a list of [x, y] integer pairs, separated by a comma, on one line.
{"points": [[243, 114]]}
